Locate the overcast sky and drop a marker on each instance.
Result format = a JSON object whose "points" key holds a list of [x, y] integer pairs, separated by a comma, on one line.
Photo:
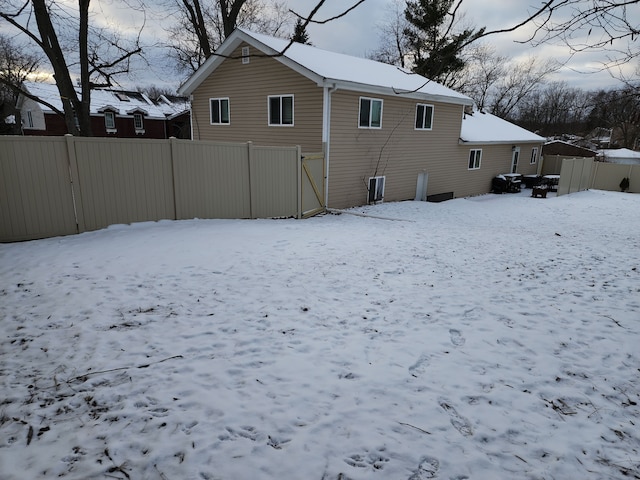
{"points": [[357, 34]]}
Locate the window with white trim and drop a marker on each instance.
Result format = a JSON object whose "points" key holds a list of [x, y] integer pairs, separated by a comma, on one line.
{"points": [[246, 58], [376, 190], [110, 120], [138, 122], [29, 119], [475, 158], [219, 111], [370, 113], [534, 155], [424, 116], [281, 110]]}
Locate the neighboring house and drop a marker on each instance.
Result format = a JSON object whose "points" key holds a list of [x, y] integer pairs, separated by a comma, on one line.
{"points": [[555, 151], [385, 132], [566, 149], [620, 155], [116, 113]]}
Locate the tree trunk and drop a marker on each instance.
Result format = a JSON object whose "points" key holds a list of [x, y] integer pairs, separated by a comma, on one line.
{"points": [[51, 48]]}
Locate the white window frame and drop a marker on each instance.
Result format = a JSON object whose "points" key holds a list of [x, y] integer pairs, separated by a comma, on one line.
{"points": [[110, 121], [246, 56], [220, 101], [534, 155], [421, 121], [29, 119], [370, 115], [375, 189], [138, 122], [475, 159], [280, 110]]}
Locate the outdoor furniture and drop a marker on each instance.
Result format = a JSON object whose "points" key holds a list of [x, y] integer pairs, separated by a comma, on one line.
{"points": [[551, 181], [506, 183], [531, 181], [540, 191]]}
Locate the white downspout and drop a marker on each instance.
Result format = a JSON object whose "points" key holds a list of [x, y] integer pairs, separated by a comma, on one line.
{"points": [[326, 135]]}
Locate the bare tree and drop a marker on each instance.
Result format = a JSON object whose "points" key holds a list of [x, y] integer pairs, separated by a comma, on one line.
{"points": [[16, 65], [393, 45], [74, 49], [587, 25], [521, 80], [483, 72], [203, 25]]}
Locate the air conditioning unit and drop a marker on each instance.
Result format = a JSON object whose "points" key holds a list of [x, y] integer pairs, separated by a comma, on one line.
{"points": [[376, 190]]}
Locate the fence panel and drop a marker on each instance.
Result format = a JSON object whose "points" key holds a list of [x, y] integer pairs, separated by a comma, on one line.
{"points": [[36, 200], [62, 185], [275, 183], [211, 180], [575, 175], [124, 181], [609, 175]]}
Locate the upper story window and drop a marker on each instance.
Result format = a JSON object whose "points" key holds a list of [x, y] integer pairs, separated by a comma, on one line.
{"points": [[475, 157], [534, 155], [281, 110], [246, 58], [370, 113], [29, 119], [138, 122], [219, 111], [110, 121], [424, 117]]}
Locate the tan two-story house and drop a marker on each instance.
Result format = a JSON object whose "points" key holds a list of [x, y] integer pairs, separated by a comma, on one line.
{"points": [[386, 133]]}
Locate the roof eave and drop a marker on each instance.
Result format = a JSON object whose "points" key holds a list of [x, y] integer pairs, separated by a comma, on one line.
{"points": [[390, 91], [462, 141]]}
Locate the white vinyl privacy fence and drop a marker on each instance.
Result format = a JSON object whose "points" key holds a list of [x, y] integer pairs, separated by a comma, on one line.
{"points": [[579, 174], [53, 186]]}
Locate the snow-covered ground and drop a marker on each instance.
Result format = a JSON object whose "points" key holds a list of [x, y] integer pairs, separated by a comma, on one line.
{"points": [[495, 337]]}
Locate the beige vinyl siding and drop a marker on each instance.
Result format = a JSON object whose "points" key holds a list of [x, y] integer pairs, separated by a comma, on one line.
{"points": [[397, 150], [496, 159], [248, 86]]}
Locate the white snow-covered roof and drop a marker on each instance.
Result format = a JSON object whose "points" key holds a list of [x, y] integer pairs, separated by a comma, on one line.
{"points": [[121, 102], [620, 153], [486, 128], [330, 68]]}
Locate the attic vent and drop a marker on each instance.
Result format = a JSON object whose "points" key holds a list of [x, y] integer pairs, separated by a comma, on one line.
{"points": [[245, 55], [122, 97]]}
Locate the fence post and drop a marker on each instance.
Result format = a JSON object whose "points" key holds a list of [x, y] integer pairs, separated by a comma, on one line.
{"points": [[249, 162], [74, 183], [299, 177], [173, 155]]}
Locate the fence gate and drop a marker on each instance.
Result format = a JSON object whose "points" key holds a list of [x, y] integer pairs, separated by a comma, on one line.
{"points": [[312, 184]]}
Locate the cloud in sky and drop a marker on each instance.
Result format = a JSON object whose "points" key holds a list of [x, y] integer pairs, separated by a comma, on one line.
{"points": [[354, 34], [357, 34]]}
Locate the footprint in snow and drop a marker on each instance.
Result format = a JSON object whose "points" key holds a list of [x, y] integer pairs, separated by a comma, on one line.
{"points": [[428, 468], [458, 421], [420, 366], [456, 337]]}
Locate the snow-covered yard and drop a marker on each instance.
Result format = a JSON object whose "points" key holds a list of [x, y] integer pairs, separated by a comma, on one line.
{"points": [[496, 337]]}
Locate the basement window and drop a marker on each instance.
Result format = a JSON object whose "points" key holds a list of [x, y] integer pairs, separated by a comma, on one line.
{"points": [[376, 190]]}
